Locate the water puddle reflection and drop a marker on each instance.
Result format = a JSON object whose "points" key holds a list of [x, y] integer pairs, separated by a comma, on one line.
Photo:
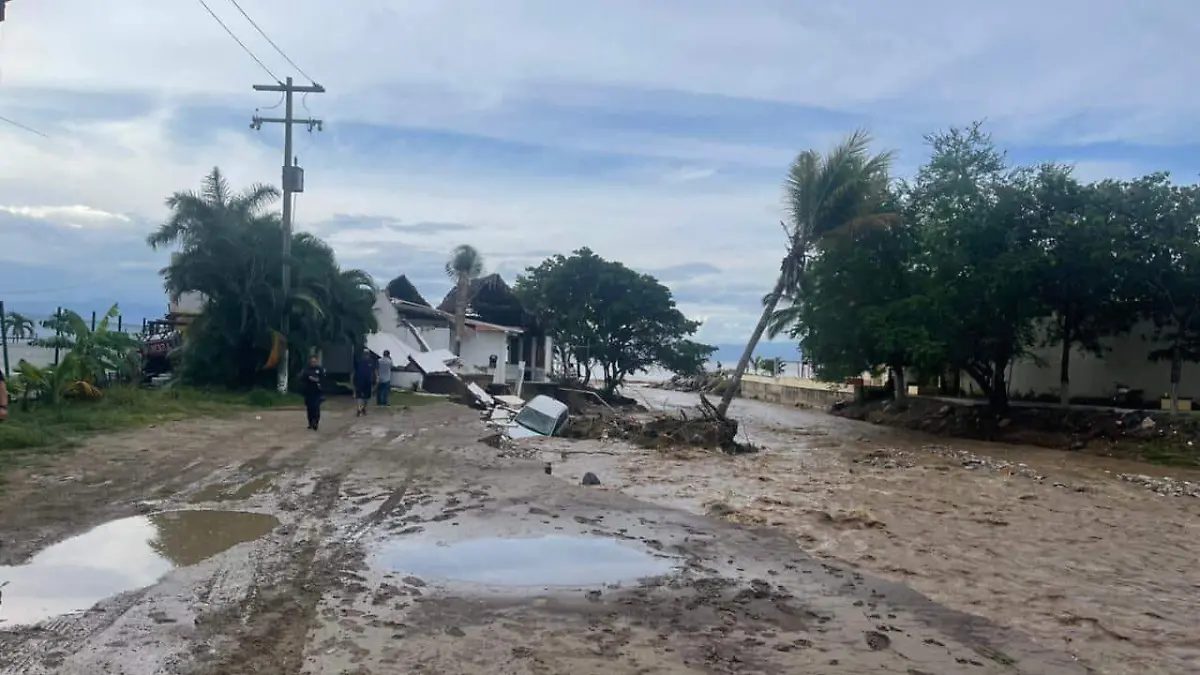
{"points": [[540, 561], [119, 556]]}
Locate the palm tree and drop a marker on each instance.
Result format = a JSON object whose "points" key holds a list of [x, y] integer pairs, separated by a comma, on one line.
{"points": [[826, 194], [20, 327], [464, 266], [230, 252], [197, 218]]}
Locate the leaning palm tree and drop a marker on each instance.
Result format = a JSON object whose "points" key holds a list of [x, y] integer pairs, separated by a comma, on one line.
{"points": [[464, 266], [841, 190]]}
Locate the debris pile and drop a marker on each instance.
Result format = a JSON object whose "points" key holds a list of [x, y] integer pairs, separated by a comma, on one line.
{"points": [[711, 383], [702, 428], [1163, 485]]}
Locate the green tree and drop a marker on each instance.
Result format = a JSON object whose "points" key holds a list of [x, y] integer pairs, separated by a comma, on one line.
{"points": [[773, 366], [1166, 223], [1085, 282], [464, 266], [841, 190], [229, 250], [20, 327], [981, 232], [865, 304], [94, 353], [607, 315], [685, 357]]}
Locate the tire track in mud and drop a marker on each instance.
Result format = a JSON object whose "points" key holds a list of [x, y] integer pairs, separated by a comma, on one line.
{"points": [[274, 619]]}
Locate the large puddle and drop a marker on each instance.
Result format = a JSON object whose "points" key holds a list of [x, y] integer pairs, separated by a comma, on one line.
{"points": [[537, 561], [119, 556]]}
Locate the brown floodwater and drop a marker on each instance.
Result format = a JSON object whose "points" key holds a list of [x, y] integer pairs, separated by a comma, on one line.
{"points": [[1050, 542]]}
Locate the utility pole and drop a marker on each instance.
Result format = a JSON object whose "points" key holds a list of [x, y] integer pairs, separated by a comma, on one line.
{"points": [[2, 4], [293, 182]]}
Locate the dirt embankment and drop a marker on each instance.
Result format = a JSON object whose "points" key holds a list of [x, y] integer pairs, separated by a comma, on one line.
{"points": [[1144, 435]]}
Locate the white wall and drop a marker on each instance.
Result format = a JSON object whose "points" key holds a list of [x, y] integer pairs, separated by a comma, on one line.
{"points": [[436, 338], [1095, 377], [479, 346]]}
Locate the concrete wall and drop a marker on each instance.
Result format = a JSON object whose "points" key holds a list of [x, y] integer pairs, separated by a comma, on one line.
{"points": [[794, 391], [1095, 377], [479, 346]]}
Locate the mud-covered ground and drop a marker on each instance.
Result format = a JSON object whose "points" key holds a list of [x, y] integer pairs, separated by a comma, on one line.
{"points": [[403, 545], [1090, 555]]}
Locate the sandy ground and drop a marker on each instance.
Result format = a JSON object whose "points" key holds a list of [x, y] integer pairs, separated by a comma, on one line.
{"points": [[400, 544], [1048, 542]]}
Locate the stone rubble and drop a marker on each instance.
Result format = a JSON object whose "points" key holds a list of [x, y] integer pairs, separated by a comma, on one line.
{"points": [[892, 458]]}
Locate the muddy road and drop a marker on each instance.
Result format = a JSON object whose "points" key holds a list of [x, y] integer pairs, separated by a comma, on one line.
{"points": [[1089, 555], [398, 543]]}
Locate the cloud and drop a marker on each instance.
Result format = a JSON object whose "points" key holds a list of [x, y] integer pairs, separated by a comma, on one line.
{"points": [[653, 136], [685, 271]]}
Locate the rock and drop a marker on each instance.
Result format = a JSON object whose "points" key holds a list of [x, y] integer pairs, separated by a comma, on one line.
{"points": [[549, 468], [590, 478]]}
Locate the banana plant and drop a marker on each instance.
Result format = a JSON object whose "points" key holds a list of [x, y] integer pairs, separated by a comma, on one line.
{"points": [[54, 383], [94, 352]]}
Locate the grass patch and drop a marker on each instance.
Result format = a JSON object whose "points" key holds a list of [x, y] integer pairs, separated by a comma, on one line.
{"points": [[1169, 452], [412, 398], [31, 435]]}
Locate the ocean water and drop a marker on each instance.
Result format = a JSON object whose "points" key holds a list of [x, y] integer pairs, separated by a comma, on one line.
{"points": [[38, 356]]}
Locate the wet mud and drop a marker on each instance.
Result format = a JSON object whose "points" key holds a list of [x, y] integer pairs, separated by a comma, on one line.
{"points": [[1085, 554], [405, 545]]}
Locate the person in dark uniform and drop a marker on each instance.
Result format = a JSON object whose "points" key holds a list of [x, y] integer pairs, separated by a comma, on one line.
{"points": [[3, 397], [364, 381], [312, 380]]}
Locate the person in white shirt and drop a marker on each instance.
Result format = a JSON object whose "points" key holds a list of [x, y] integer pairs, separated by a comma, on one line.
{"points": [[384, 379]]}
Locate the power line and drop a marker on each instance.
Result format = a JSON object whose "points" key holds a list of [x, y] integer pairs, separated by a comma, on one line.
{"points": [[22, 126], [238, 40], [293, 182], [271, 42]]}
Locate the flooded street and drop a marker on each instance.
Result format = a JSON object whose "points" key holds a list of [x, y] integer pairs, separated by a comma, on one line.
{"points": [[1049, 542], [400, 543]]}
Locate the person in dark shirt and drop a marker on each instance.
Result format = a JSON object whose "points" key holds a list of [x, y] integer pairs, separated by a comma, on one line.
{"points": [[312, 380], [3, 397], [364, 381]]}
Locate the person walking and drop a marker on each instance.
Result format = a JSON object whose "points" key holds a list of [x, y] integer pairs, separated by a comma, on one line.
{"points": [[364, 381], [384, 378], [312, 380]]}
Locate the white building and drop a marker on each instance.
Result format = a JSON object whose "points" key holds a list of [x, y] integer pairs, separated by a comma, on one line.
{"points": [[500, 351]]}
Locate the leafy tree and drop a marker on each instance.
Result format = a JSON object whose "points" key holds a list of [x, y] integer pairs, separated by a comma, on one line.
{"points": [[605, 314], [865, 304], [773, 366], [685, 357], [1166, 223], [229, 250], [981, 232], [464, 266], [1085, 281], [842, 190]]}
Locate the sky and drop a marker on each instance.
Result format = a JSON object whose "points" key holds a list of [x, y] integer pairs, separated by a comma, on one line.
{"points": [[655, 133]]}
